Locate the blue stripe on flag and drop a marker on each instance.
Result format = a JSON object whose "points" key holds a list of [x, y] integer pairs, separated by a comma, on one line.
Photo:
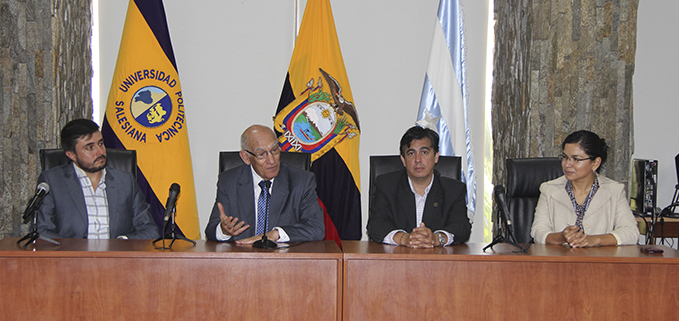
{"points": [[451, 26]]}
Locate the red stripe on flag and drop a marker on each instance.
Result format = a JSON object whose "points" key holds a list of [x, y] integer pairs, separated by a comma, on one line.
{"points": [[330, 229]]}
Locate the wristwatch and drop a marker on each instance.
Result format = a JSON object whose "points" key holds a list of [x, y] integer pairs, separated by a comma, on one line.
{"points": [[442, 238]]}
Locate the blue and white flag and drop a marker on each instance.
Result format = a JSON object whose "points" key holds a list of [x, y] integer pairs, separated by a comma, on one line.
{"points": [[443, 106]]}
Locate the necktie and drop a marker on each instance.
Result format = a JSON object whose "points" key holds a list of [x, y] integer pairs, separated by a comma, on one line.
{"points": [[262, 207]]}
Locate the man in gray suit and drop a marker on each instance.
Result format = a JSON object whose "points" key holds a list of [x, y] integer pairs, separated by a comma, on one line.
{"points": [[294, 214], [88, 200]]}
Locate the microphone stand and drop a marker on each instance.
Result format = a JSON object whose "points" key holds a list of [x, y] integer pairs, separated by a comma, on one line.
{"points": [[500, 236], [265, 243], [172, 235], [33, 235], [504, 229]]}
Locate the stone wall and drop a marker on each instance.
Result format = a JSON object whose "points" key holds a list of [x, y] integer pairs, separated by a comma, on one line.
{"points": [[45, 76], [561, 66]]}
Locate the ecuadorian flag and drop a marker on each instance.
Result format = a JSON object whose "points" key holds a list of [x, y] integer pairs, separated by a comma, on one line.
{"points": [[316, 115], [145, 112]]}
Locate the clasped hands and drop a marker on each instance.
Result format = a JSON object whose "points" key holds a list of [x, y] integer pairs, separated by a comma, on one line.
{"points": [[232, 227], [576, 237], [420, 237]]}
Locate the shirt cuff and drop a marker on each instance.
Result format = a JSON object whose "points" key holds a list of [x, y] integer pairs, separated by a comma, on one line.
{"points": [[448, 235], [389, 239], [220, 236], [282, 236]]}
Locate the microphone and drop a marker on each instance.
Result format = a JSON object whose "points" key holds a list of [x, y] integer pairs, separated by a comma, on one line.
{"points": [[500, 194], [169, 206], [40, 193]]}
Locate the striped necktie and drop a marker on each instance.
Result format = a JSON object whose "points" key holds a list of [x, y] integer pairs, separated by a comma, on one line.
{"points": [[262, 207]]}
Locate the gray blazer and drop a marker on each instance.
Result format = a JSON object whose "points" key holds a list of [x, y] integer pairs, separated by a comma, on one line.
{"points": [[63, 213], [294, 205]]}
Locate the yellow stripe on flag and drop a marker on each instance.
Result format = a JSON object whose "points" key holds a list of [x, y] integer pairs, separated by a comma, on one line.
{"points": [[145, 110]]}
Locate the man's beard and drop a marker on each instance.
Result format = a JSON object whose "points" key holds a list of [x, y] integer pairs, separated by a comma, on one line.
{"points": [[92, 169]]}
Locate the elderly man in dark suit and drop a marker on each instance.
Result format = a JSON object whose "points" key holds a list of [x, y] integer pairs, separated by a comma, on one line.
{"points": [[415, 206], [88, 200], [294, 214]]}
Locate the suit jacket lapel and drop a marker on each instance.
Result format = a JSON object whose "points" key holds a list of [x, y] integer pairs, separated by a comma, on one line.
{"points": [[562, 197], [246, 199], [602, 195], [113, 195], [433, 202], [75, 190], [407, 202], [279, 194]]}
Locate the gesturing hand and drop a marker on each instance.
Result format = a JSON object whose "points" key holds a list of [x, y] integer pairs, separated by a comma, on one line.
{"points": [[229, 224]]}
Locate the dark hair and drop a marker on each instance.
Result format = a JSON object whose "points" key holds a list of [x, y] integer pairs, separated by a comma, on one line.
{"points": [[74, 130], [590, 142], [417, 132]]}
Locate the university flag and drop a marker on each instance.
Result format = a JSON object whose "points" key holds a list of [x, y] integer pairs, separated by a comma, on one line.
{"points": [[145, 112], [443, 105], [316, 115]]}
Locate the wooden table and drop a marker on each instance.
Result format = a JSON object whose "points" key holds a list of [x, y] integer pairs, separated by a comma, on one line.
{"points": [[130, 280], [384, 282], [668, 229]]}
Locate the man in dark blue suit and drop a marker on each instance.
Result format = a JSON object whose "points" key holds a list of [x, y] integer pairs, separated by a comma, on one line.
{"points": [[88, 200], [294, 214], [416, 206]]}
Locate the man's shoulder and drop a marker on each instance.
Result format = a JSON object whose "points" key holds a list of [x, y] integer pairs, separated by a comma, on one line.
{"points": [[118, 173], [294, 174], [234, 172], [446, 179], [58, 170], [392, 176]]}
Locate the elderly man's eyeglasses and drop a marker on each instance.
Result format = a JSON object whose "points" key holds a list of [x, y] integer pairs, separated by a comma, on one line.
{"points": [[261, 155], [565, 159]]}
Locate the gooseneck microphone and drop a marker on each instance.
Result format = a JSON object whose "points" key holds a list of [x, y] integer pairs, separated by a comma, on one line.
{"points": [[169, 206], [35, 202], [502, 201]]}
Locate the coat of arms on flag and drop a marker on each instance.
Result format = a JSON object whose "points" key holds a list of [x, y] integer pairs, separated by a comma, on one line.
{"points": [[318, 119]]}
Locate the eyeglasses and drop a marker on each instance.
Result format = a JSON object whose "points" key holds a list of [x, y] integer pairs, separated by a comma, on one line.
{"points": [[261, 155], [565, 159]]}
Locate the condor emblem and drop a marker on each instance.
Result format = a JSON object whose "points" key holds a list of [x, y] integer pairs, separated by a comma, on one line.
{"points": [[317, 120], [151, 106]]}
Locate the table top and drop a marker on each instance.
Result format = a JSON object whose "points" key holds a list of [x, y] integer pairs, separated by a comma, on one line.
{"points": [[506, 252], [180, 249]]}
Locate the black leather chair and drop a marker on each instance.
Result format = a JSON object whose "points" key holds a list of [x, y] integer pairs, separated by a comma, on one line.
{"points": [[125, 160], [448, 166], [229, 160], [524, 176]]}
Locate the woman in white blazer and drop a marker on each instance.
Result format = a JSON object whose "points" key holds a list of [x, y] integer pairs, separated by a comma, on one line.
{"points": [[583, 208]]}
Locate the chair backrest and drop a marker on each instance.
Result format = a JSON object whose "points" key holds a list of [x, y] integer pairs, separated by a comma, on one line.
{"points": [[448, 166], [524, 176], [229, 160], [124, 160]]}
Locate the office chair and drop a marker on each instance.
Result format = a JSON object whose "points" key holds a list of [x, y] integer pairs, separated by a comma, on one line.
{"points": [[229, 160], [524, 176], [125, 160], [448, 166]]}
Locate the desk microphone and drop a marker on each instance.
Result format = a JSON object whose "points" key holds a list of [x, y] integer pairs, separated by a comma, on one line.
{"points": [[500, 194], [35, 202], [169, 206]]}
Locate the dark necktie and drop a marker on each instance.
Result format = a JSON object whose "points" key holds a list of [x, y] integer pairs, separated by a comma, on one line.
{"points": [[262, 207]]}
